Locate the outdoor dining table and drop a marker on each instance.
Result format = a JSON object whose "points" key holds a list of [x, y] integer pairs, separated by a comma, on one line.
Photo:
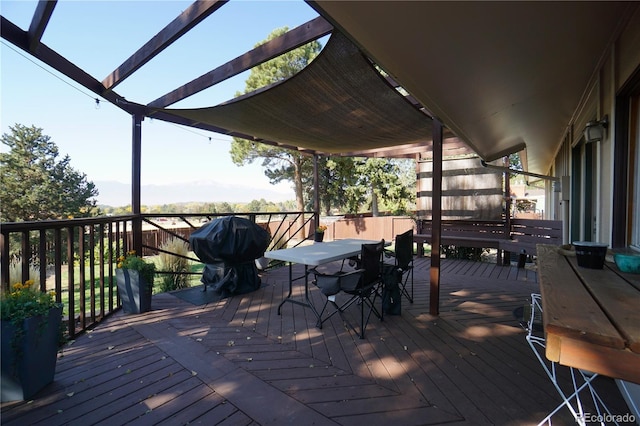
{"points": [[591, 317], [312, 256]]}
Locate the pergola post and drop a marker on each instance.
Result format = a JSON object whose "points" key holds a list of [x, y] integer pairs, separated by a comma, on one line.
{"points": [[436, 220], [316, 191], [504, 258], [136, 160]]}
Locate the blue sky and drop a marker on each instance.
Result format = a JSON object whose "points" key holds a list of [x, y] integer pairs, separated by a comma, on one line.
{"points": [[98, 36]]}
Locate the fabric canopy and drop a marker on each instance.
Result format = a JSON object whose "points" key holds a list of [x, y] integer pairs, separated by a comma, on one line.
{"points": [[339, 103]]}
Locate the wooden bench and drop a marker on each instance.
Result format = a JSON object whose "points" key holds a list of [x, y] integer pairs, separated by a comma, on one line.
{"points": [[522, 238], [462, 233], [526, 234]]}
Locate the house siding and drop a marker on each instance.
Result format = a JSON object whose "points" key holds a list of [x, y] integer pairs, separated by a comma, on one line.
{"points": [[621, 64]]}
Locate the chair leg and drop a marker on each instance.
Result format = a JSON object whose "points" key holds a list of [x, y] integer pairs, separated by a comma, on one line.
{"points": [[322, 320], [403, 286], [379, 291], [362, 324], [371, 303]]}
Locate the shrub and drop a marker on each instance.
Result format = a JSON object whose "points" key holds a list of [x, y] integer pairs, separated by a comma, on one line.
{"points": [[278, 242], [468, 253], [15, 273], [176, 266]]}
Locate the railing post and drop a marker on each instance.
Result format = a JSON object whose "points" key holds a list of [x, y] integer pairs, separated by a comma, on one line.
{"points": [[4, 241]]}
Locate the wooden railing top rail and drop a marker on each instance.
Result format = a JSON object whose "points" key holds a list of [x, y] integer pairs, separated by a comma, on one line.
{"points": [[10, 227]]}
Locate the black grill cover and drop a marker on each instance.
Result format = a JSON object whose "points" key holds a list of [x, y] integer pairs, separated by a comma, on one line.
{"points": [[229, 247], [231, 239]]}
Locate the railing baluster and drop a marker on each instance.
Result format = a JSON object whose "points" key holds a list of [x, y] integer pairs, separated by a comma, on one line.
{"points": [[70, 282], [82, 276], [92, 272], [57, 263], [111, 258], [26, 255], [101, 266], [42, 259], [4, 240]]}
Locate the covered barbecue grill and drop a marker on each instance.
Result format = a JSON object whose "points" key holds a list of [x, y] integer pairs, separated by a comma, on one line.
{"points": [[229, 246]]}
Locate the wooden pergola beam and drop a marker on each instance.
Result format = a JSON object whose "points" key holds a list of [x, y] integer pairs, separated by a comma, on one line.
{"points": [[39, 22], [451, 146], [297, 37], [188, 19], [19, 38]]}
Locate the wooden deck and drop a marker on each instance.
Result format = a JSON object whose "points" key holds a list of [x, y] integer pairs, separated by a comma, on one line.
{"points": [[236, 362]]}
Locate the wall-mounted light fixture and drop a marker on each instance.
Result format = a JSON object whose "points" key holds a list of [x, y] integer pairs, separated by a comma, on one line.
{"points": [[595, 130]]}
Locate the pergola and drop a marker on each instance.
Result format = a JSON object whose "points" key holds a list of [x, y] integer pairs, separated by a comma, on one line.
{"points": [[497, 79]]}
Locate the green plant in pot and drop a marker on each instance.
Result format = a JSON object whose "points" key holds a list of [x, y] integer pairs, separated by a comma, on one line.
{"points": [[31, 335], [319, 234], [134, 277]]}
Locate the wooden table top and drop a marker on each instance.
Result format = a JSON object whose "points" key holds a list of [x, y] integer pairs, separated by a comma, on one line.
{"points": [[591, 316]]}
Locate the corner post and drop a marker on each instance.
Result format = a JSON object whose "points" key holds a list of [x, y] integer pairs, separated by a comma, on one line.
{"points": [[136, 207], [316, 191], [504, 258], [436, 220]]}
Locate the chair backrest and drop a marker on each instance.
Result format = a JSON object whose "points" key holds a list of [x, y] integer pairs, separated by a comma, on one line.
{"points": [[371, 260], [404, 249]]}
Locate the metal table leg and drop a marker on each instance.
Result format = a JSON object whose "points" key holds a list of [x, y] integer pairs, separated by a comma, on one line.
{"points": [[307, 301], [580, 379]]}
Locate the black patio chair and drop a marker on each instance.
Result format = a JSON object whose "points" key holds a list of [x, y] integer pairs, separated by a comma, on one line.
{"points": [[403, 262], [363, 285]]}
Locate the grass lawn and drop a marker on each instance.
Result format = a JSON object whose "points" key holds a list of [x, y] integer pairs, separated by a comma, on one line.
{"points": [[157, 286]]}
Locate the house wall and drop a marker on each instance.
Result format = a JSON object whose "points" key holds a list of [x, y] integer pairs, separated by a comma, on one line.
{"points": [[619, 65]]}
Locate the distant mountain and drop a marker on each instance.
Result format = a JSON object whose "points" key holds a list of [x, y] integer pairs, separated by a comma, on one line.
{"points": [[115, 194]]}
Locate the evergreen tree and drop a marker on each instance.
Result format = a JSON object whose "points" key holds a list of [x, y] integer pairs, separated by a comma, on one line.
{"points": [[35, 184]]}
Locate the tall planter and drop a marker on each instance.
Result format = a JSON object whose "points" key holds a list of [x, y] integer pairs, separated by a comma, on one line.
{"points": [[135, 292], [29, 359]]}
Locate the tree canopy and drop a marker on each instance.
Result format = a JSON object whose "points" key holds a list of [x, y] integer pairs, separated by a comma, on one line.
{"points": [[349, 184], [346, 184], [280, 164], [35, 184]]}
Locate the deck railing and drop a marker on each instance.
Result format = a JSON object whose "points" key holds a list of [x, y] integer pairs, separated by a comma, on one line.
{"points": [[76, 258]]}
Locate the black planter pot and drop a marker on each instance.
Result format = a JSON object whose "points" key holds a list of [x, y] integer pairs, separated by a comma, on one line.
{"points": [[134, 291], [32, 365], [318, 237]]}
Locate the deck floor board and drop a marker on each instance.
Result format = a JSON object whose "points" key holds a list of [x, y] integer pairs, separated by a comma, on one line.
{"points": [[238, 362]]}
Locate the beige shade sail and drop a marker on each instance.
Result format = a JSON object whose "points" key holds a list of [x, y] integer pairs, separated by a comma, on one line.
{"points": [[339, 103]]}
